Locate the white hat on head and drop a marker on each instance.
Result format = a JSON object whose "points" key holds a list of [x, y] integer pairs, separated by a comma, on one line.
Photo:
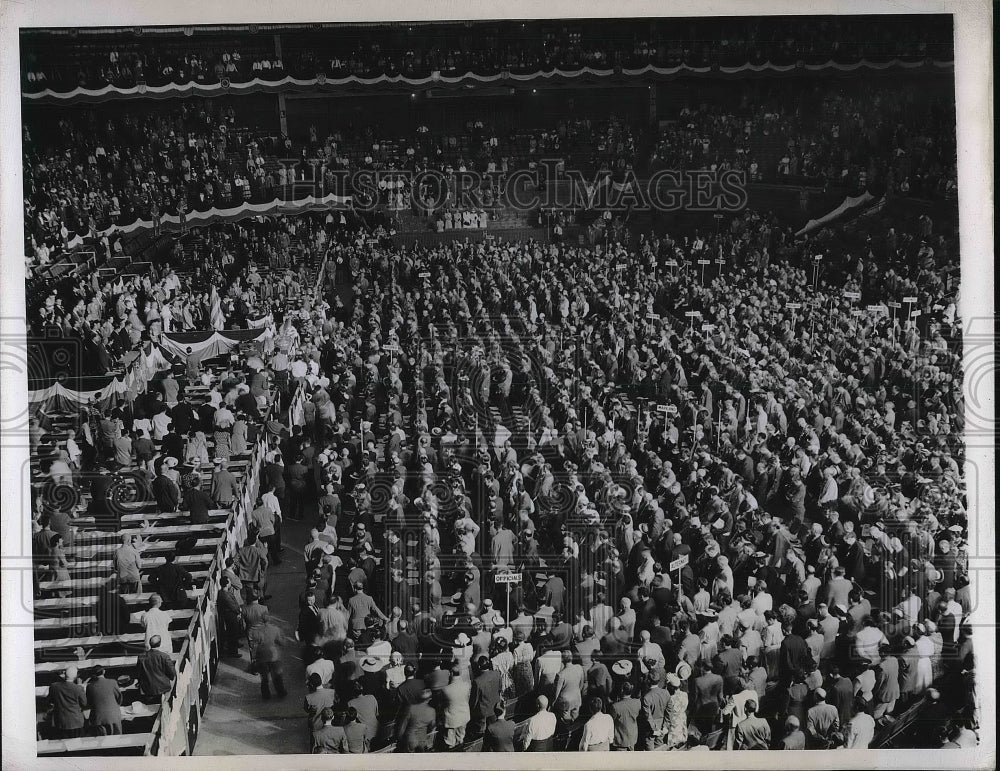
{"points": [[371, 664], [622, 667]]}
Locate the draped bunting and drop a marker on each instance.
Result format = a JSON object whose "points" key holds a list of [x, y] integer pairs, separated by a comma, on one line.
{"points": [[112, 390], [207, 345], [233, 214], [103, 392], [323, 83], [847, 204]]}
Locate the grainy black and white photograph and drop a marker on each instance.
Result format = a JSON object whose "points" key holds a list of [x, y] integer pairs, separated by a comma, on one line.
{"points": [[596, 383]]}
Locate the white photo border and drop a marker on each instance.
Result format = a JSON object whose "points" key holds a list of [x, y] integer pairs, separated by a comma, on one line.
{"points": [[973, 25]]}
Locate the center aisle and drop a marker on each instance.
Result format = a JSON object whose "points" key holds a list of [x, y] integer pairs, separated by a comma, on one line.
{"points": [[238, 721]]}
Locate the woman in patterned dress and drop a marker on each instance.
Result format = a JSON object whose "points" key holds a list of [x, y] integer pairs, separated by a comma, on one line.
{"points": [[522, 673]]}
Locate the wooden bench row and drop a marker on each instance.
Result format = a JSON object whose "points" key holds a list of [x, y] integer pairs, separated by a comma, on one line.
{"points": [[98, 640], [105, 566], [57, 625], [85, 602], [92, 537], [83, 586], [89, 601], [94, 744], [112, 662], [87, 553]]}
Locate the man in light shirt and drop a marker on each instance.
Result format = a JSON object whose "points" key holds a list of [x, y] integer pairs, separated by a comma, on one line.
{"points": [[600, 615], [649, 650], [599, 731], [322, 667], [127, 562], [860, 731], [548, 667], [829, 625], [910, 608], [224, 418], [811, 585], [868, 640], [762, 600], [264, 518], [299, 370], [540, 729], [569, 684]]}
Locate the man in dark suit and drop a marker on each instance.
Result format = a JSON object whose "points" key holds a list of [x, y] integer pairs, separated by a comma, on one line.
{"points": [[555, 594], [166, 492], [330, 739], [410, 689], [198, 503], [406, 642], [416, 726], [105, 699], [230, 617], [156, 669], [356, 733], [265, 640], [68, 701], [599, 681], [499, 736], [625, 713], [310, 624], [731, 659], [111, 610], [561, 634], [706, 698], [171, 582], [614, 643], [485, 695], [251, 566]]}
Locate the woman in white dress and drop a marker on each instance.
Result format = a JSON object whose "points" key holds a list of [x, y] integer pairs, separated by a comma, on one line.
{"points": [[503, 662], [197, 449]]}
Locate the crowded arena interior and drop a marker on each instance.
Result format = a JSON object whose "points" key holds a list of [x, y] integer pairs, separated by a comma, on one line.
{"points": [[496, 386]]}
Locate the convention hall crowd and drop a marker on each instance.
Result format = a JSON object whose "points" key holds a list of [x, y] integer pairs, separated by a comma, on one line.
{"points": [[85, 173], [748, 528], [684, 489]]}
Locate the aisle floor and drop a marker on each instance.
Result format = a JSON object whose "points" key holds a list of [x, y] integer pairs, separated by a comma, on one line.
{"points": [[238, 721]]}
